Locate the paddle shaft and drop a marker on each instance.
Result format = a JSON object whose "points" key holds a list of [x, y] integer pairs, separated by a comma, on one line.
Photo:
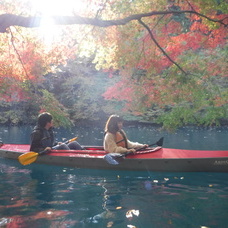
{"points": [[159, 143], [30, 157], [66, 142]]}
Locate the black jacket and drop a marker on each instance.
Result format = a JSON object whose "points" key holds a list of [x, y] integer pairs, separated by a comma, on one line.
{"points": [[41, 138]]}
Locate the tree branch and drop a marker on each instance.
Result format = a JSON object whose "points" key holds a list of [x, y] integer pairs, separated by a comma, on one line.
{"points": [[158, 45], [7, 20], [18, 55], [21, 61]]}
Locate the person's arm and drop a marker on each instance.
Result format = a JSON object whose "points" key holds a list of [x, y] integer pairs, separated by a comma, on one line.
{"points": [[135, 145], [111, 146]]}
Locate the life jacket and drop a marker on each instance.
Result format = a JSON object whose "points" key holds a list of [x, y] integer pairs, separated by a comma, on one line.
{"points": [[121, 139]]}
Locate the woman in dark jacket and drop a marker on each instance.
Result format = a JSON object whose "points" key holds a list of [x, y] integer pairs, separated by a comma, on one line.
{"points": [[42, 137]]}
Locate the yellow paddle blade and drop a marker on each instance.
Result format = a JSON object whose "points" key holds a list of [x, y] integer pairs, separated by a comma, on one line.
{"points": [[71, 140], [28, 158]]}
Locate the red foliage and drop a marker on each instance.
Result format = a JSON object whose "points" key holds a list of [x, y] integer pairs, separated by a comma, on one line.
{"points": [[13, 93], [173, 27], [175, 43], [119, 92]]}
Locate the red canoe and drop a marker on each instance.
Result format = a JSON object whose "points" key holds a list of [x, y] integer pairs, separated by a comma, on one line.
{"points": [[163, 159]]}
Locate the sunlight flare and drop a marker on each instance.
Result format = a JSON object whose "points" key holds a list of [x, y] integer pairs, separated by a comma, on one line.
{"points": [[60, 7], [49, 8]]}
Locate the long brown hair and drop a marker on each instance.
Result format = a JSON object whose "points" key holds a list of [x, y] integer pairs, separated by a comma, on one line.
{"points": [[112, 124]]}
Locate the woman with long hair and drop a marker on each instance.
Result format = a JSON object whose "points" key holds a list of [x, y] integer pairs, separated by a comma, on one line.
{"points": [[115, 140], [42, 137]]}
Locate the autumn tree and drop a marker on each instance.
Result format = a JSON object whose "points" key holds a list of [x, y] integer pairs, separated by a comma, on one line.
{"points": [[170, 55]]}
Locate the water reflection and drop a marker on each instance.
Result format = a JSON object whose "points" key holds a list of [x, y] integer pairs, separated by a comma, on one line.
{"points": [[20, 206], [49, 196], [43, 184]]}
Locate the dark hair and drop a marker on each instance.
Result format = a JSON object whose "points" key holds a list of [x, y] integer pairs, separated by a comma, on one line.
{"points": [[44, 118], [112, 124]]}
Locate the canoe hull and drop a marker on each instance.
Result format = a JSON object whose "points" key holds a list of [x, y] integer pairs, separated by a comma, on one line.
{"points": [[177, 161], [166, 165]]}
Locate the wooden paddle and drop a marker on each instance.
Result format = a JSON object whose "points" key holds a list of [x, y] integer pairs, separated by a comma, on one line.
{"points": [[30, 157], [111, 158]]}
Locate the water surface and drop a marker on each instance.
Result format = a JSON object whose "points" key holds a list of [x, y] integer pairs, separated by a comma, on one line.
{"points": [[198, 138]]}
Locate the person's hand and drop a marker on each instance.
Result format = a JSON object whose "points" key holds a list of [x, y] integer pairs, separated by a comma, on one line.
{"points": [[132, 150], [144, 146], [47, 148]]}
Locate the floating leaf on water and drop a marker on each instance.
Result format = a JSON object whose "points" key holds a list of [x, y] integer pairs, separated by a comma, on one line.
{"points": [[130, 213]]}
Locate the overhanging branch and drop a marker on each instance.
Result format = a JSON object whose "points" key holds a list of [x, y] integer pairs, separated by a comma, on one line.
{"points": [[159, 46], [7, 20]]}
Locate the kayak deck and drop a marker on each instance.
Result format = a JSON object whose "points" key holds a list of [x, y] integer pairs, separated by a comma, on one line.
{"points": [[98, 150]]}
